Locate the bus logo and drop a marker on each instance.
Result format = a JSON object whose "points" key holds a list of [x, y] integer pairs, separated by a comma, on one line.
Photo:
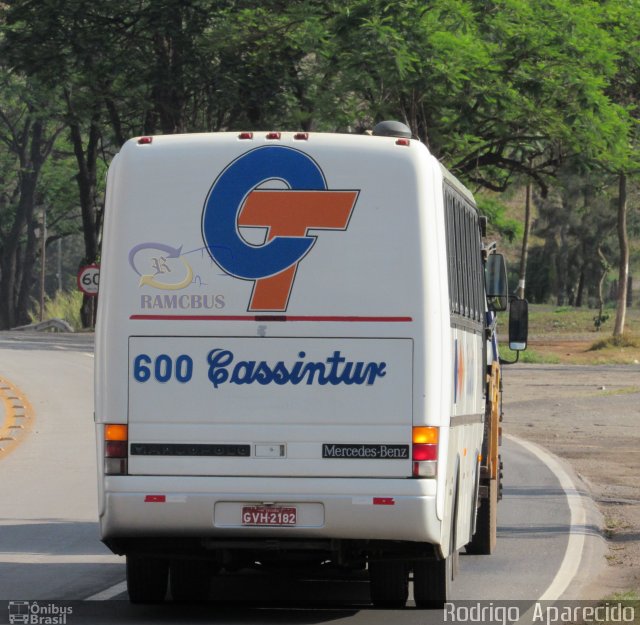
{"points": [[288, 215]]}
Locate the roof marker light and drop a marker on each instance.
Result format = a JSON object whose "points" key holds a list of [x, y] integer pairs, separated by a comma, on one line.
{"points": [[245, 135], [404, 142], [273, 136], [145, 140], [301, 136]]}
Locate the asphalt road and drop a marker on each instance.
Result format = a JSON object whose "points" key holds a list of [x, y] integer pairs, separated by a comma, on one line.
{"points": [[50, 548]]}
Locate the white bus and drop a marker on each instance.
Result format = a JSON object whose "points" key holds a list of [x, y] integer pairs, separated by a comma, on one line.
{"points": [[294, 363]]}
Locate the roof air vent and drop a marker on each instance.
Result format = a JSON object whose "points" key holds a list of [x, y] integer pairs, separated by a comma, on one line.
{"points": [[392, 129]]}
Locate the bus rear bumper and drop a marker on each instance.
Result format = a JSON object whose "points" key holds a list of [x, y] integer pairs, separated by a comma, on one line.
{"points": [[372, 509]]}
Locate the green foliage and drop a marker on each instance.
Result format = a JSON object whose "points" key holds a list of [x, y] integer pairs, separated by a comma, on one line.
{"points": [[529, 356], [495, 211]]}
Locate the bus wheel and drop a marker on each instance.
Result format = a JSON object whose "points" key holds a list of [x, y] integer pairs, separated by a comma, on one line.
{"points": [[432, 582], [146, 579], [389, 583], [189, 580], [484, 540]]}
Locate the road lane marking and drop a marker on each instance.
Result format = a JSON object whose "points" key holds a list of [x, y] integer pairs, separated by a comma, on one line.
{"points": [[109, 593], [570, 564], [18, 417], [61, 558]]}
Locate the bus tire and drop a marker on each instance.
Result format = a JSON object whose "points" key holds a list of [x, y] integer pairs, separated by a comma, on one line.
{"points": [[389, 583], [432, 583], [432, 579], [189, 580], [484, 540], [146, 579]]}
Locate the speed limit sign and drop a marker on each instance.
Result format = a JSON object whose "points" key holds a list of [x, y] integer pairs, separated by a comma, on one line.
{"points": [[89, 279]]}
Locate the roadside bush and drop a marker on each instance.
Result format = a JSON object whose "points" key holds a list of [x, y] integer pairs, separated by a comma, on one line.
{"points": [[65, 305], [626, 340]]}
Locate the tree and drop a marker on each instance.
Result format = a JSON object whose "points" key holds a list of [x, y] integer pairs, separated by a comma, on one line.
{"points": [[27, 137], [624, 21], [489, 86]]}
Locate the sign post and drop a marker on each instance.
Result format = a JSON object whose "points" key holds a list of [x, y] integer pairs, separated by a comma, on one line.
{"points": [[89, 284]]}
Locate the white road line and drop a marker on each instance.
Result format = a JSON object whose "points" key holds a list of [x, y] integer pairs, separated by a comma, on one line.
{"points": [[573, 554], [109, 593], [49, 558]]}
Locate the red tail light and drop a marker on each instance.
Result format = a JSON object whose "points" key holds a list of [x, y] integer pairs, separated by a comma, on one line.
{"points": [[425, 452]]}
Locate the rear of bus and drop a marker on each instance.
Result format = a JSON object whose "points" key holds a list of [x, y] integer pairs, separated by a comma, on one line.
{"points": [[273, 351]]}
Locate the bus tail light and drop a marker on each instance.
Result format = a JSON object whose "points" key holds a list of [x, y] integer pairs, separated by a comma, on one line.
{"points": [[116, 443], [424, 452]]}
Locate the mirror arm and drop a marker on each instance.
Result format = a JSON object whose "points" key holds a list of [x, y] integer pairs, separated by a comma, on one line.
{"points": [[510, 362], [491, 329]]}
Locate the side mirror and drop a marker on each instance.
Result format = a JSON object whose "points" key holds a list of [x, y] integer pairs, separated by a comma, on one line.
{"points": [[518, 324], [495, 281]]}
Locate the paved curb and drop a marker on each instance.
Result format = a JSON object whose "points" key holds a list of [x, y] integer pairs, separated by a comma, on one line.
{"points": [[18, 417]]}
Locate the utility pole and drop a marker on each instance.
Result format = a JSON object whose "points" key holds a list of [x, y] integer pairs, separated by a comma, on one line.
{"points": [[43, 258], [59, 273]]}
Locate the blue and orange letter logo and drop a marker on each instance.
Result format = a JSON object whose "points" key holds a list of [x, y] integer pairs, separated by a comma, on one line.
{"points": [[236, 201]]}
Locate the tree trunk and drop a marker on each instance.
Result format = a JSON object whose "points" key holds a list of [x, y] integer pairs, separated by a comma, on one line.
{"points": [[623, 267], [26, 279], [87, 159], [563, 265], [580, 290], [11, 269], [599, 320], [525, 242]]}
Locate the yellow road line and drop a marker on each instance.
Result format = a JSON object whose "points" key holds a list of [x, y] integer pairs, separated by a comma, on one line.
{"points": [[18, 417]]}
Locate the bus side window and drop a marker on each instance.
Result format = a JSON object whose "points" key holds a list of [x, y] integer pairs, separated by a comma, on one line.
{"points": [[451, 254]]}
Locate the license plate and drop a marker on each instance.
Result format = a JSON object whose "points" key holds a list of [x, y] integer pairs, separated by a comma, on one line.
{"points": [[272, 516]]}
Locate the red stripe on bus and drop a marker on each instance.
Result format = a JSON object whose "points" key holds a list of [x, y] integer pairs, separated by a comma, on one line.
{"points": [[265, 318]]}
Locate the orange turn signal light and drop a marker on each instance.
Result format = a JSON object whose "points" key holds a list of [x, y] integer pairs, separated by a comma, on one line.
{"points": [[116, 432], [425, 435]]}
